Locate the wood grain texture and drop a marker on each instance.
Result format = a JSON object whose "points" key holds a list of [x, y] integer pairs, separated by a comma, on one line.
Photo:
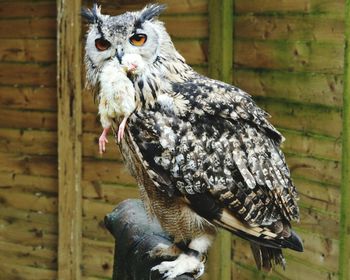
{"points": [[306, 7], [344, 254], [33, 98], [297, 56], [289, 56], [19, 28], [69, 139], [290, 27], [28, 119], [301, 117], [302, 87], [13, 9], [14, 271], [220, 68], [28, 74], [28, 50]]}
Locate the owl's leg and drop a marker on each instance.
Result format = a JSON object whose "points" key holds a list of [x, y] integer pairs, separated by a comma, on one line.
{"points": [[164, 250], [103, 140], [121, 129], [192, 261]]}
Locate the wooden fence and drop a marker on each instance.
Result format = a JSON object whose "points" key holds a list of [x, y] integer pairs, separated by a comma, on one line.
{"points": [[288, 54]]}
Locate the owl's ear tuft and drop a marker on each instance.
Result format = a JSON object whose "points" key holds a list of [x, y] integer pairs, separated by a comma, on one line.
{"points": [[149, 12], [92, 16]]}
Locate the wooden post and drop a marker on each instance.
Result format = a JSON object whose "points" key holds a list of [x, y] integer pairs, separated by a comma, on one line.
{"points": [[344, 250], [69, 139], [220, 67]]}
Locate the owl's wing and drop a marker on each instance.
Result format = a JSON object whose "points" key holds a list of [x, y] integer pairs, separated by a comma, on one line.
{"points": [[210, 143]]}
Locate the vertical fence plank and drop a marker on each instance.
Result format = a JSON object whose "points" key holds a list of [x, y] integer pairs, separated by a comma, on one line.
{"points": [[221, 39], [344, 250], [220, 67], [69, 139]]}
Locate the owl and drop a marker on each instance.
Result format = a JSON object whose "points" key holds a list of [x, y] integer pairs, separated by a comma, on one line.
{"points": [[203, 153]]}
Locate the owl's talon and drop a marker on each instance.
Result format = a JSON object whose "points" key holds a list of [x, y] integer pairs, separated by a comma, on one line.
{"points": [[182, 265]]}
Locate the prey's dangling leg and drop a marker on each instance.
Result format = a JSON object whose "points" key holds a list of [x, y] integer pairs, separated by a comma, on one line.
{"points": [[103, 140], [121, 129]]}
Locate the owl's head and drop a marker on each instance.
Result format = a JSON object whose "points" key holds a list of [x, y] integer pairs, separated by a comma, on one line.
{"points": [[130, 33]]}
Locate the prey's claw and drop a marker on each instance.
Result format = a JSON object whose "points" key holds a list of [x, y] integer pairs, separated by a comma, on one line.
{"points": [[102, 143]]}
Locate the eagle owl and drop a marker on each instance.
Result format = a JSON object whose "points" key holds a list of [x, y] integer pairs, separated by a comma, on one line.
{"points": [[203, 153]]}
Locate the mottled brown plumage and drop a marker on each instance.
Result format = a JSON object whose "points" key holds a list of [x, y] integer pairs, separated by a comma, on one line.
{"points": [[203, 153]]}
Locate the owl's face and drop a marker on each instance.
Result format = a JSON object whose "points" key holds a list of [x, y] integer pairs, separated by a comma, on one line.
{"points": [[115, 36]]}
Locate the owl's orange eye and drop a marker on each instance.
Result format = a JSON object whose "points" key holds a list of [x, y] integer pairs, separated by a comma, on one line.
{"points": [[102, 44], [138, 39]]}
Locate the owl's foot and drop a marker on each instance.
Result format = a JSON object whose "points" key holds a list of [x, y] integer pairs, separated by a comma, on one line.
{"points": [[121, 129], [103, 140], [190, 264]]}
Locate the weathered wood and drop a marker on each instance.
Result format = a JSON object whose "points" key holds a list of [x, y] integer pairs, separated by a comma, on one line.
{"points": [[306, 7], [37, 221], [201, 69], [101, 264], [29, 182], [220, 67], [32, 142], [91, 123], [344, 235], [292, 28], [69, 139], [318, 196], [315, 222], [194, 51], [289, 56], [28, 9], [106, 171], [27, 119], [28, 234], [16, 198], [93, 228], [301, 117], [220, 40], [174, 6], [29, 165], [109, 193], [28, 28], [321, 254], [303, 87], [29, 50], [13, 271], [194, 26], [28, 255], [100, 199], [30, 74], [320, 251], [316, 146], [304, 269], [323, 171], [28, 98]]}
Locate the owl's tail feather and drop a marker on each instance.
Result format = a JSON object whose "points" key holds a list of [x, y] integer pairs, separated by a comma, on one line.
{"points": [[266, 257]]}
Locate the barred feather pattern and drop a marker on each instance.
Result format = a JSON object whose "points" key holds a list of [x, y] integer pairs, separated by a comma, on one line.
{"points": [[222, 146]]}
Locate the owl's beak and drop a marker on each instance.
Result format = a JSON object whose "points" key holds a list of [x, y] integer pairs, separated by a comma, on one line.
{"points": [[119, 54]]}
